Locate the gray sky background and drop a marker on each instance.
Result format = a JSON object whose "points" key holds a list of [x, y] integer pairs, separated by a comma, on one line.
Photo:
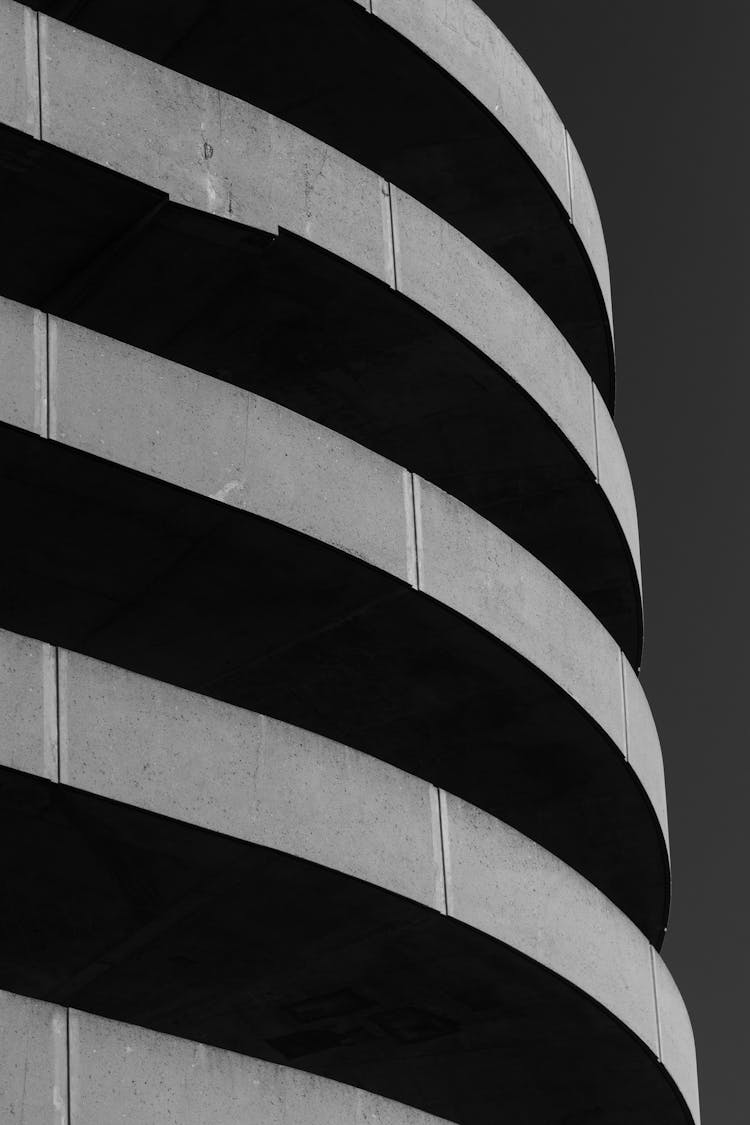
{"points": [[657, 98]]}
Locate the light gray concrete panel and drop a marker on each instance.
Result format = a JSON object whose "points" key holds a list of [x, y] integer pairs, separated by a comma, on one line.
{"points": [[676, 1033], [644, 749], [464, 41], [476, 569], [33, 1062], [585, 215], [22, 366], [614, 477], [28, 735], [219, 440], [501, 882], [19, 73], [205, 148], [445, 273], [186, 756], [121, 1073], [217, 153]]}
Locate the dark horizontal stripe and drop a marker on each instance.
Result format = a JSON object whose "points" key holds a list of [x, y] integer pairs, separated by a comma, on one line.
{"points": [[148, 576], [146, 919], [333, 70], [298, 325]]}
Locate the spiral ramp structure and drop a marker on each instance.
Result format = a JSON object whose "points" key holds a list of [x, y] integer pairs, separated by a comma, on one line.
{"points": [[329, 790]]}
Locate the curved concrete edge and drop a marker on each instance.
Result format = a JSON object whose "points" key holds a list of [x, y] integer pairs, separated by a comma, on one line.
{"points": [[59, 1065], [584, 214], [145, 743], [465, 42], [676, 1040], [146, 413], [465, 563], [443, 272], [614, 478], [218, 154], [643, 746], [176, 753]]}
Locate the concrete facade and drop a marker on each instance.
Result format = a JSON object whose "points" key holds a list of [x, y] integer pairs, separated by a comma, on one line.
{"points": [[321, 735]]}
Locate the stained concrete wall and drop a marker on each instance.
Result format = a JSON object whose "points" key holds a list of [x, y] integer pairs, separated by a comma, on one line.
{"points": [[219, 154], [163, 419], [172, 752]]}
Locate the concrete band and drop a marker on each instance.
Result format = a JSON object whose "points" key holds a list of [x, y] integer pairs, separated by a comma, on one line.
{"points": [[160, 134], [105, 398], [462, 39], [88, 1066], [374, 82], [134, 740], [437, 776]]}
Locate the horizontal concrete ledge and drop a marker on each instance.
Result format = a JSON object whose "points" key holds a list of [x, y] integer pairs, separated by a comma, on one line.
{"points": [[132, 570], [196, 934], [416, 375], [359, 83]]}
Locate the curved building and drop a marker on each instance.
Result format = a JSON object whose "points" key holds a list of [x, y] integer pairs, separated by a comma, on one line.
{"points": [[329, 791]]}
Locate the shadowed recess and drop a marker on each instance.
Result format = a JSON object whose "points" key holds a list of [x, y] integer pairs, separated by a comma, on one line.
{"points": [[199, 935], [291, 322], [330, 68], [115, 564]]}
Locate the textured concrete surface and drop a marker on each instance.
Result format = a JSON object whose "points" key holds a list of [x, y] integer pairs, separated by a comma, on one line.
{"points": [[644, 751], [585, 216], [168, 421], [173, 801], [200, 145], [677, 1045], [224, 442], [614, 476], [206, 148], [173, 941], [447, 275], [502, 883], [33, 1062], [23, 368], [125, 1073], [466, 43], [480, 572], [27, 705], [183, 755], [19, 74]]}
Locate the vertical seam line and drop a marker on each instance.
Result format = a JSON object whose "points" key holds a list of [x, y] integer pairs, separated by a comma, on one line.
{"points": [[39, 74], [624, 706], [656, 1004], [67, 1069], [58, 732], [596, 432], [442, 847], [47, 384], [569, 175], [417, 535], [389, 185]]}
